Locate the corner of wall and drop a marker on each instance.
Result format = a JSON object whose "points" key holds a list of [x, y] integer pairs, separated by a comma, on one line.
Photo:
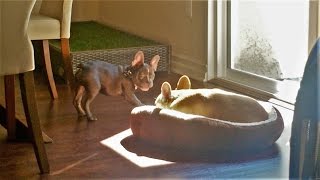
{"points": [[184, 65]]}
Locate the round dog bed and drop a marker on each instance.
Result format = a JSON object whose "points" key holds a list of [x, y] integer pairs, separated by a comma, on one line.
{"points": [[173, 129]]}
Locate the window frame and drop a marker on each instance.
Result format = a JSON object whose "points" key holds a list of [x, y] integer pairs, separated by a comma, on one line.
{"points": [[219, 71]]}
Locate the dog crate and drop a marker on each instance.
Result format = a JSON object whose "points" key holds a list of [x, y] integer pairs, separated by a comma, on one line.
{"points": [[91, 41]]}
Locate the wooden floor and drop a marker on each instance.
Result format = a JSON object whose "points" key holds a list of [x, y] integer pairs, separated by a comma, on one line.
{"points": [[77, 150]]}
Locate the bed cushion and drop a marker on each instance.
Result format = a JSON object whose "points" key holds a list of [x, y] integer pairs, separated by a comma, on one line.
{"points": [[174, 129]]}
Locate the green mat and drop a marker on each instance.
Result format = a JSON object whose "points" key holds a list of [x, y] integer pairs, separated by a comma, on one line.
{"points": [[90, 35], [87, 36]]}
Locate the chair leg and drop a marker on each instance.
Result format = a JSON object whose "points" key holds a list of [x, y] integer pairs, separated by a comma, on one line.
{"points": [[65, 52], [30, 107], [10, 106], [47, 61]]}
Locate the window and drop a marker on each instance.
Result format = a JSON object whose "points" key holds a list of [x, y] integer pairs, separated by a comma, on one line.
{"points": [[260, 47]]}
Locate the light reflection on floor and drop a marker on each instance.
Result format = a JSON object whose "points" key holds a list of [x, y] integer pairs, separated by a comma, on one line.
{"points": [[114, 142], [72, 165]]}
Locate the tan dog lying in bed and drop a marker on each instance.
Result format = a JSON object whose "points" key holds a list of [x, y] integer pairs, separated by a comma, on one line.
{"points": [[212, 103]]}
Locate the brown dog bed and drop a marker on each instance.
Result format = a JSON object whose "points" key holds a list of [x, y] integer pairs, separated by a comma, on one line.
{"points": [[173, 129]]}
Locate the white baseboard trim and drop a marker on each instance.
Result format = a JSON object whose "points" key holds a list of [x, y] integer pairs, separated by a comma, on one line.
{"points": [[182, 64]]}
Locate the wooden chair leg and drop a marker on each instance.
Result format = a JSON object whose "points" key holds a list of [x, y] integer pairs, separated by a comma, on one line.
{"points": [[65, 52], [47, 62], [31, 111], [10, 106]]}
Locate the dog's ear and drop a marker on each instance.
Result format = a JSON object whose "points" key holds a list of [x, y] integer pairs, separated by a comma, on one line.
{"points": [[166, 90], [154, 62], [184, 83], [138, 59]]}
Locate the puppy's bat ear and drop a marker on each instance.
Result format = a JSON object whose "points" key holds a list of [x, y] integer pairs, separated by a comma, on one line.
{"points": [[154, 62], [166, 90], [184, 83], [138, 59]]}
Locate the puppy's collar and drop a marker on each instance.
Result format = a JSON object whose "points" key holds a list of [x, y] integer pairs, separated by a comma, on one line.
{"points": [[129, 71]]}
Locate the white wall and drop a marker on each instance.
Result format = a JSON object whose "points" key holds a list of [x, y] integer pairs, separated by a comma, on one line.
{"points": [[182, 24]]}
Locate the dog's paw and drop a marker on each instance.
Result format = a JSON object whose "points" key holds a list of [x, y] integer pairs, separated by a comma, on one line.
{"points": [[92, 118], [81, 118], [81, 114]]}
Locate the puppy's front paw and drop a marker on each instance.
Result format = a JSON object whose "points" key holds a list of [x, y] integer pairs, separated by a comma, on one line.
{"points": [[81, 114], [140, 104], [92, 118], [136, 103]]}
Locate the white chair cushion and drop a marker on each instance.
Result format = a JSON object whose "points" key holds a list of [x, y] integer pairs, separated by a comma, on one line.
{"points": [[16, 51], [43, 27]]}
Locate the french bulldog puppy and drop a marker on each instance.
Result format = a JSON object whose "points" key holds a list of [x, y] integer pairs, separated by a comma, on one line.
{"points": [[113, 80], [214, 103]]}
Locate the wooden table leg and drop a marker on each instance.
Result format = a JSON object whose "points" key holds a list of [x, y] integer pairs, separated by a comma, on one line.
{"points": [[22, 133], [67, 62], [47, 63], [31, 111], [10, 106]]}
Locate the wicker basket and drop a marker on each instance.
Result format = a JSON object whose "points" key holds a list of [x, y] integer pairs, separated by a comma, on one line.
{"points": [[119, 56], [124, 56]]}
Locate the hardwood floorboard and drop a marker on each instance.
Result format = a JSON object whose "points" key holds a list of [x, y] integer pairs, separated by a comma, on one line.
{"points": [[77, 151]]}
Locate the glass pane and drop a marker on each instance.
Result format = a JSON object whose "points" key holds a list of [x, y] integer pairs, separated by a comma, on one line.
{"points": [[269, 38]]}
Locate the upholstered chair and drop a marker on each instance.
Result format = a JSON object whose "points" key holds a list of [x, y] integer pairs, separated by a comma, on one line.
{"points": [[52, 20], [17, 59]]}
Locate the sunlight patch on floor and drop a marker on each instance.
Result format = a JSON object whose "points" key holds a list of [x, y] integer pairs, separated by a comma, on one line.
{"points": [[73, 165], [114, 143]]}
